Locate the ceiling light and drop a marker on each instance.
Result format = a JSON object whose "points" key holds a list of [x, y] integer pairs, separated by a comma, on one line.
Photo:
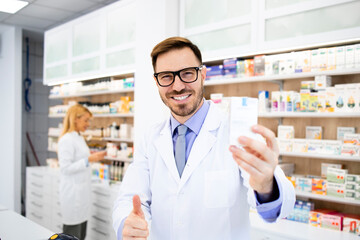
{"points": [[11, 6]]}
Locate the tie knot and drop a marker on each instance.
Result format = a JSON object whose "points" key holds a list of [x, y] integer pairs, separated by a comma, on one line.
{"points": [[182, 129]]}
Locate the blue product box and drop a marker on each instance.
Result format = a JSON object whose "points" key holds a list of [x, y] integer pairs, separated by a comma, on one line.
{"points": [[212, 71], [230, 63]]}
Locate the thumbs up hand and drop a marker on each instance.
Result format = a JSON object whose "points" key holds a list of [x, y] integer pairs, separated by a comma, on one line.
{"points": [[135, 225]]}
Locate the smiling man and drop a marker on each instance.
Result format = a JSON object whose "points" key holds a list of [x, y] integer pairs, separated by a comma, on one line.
{"points": [[186, 181]]}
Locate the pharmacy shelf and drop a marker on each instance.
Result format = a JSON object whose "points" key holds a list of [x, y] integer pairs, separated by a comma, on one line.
{"points": [[309, 115], [53, 135], [99, 115], [84, 94], [119, 159], [118, 139], [223, 80], [286, 229], [327, 198], [322, 156]]}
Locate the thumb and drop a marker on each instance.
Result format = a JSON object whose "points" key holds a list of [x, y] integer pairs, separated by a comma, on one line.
{"points": [[137, 207]]}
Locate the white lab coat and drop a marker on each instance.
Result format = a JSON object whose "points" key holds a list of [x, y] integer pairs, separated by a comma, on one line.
{"points": [[212, 198], [75, 179]]}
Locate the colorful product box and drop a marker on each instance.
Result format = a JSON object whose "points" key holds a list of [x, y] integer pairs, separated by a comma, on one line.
{"points": [[321, 101], [268, 65], [341, 131], [264, 102], [313, 132], [286, 132], [313, 102], [332, 221], [300, 145], [289, 101], [214, 71], [275, 101], [351, 102], [230, 67], [332, 147], [292, 179], [319, 186], [315, 146], [296, 102], [249, 67], [352, 138], [282, 103], [325, 166], [307, 85], [336, 175], [304, 100], [340, 95], [349, 150], [240, 67], [282, 63], [351, 224], [259, 65], [275, 64], [306, 60], [335, 189], [304, 184]]}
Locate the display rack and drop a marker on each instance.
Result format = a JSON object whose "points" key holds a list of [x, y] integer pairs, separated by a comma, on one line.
{"points": [[119, 159], [93, 93], [309, 115], [116, 115], [327, 198], [322, 156]]}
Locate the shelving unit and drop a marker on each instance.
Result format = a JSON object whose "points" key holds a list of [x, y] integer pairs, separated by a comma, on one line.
{"points": [[305, 163], [117, 115], [321, 156], [94, 93], [104, 139], [222, 81], [327, 198]]}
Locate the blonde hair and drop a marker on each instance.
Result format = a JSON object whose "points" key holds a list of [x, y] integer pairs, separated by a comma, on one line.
{"points": [[72, 114]]}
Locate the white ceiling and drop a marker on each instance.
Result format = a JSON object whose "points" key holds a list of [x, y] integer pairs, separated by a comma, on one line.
{"points": [[41, 15]]}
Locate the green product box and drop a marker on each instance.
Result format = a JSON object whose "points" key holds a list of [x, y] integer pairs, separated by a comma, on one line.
{"points": [[336, 190], [336, 175]]}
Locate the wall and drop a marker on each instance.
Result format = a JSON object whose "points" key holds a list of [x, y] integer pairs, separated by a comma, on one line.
{"points": [[10, 121]]}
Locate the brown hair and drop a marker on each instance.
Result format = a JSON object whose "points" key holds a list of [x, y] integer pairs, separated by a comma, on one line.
{"points": [[174, 43], [73, 113]]}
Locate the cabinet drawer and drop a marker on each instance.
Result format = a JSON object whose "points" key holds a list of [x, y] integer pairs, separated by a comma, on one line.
{"points": [[35, 216], [96, 233], [39, 207], [100, 207]]}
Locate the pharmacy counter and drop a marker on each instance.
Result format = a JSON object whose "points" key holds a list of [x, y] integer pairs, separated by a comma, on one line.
{"points": [[286, 230], [15, 226], [2, 208]]}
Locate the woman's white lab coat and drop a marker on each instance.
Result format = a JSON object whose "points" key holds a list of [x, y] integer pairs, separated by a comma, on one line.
{"points": [[212, 198], [75, 178]]}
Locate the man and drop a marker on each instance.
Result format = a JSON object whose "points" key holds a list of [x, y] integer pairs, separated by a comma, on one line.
{"points": [[186, 181]]}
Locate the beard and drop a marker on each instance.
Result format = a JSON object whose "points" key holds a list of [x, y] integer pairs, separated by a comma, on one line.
{"points": [[187, 109]]}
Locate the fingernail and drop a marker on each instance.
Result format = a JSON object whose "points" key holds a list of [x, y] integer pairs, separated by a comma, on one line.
{"points": [[255, 127], [242, 140], [232, 148]]}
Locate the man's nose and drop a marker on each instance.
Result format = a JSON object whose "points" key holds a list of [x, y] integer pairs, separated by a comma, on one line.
{"points": [[178, 84]]}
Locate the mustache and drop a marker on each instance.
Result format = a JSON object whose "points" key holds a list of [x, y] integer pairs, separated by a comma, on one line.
{"points": [[172, 93]]}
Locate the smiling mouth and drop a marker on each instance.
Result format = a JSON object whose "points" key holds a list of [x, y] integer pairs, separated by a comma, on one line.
{"points": [[180, 98]]}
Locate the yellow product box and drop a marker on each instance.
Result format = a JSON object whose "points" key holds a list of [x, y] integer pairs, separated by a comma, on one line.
{"points": [[319, 186], [292, 180], [330, 99], [286, 132], [304, 100], [313, 132], [313, 102]]}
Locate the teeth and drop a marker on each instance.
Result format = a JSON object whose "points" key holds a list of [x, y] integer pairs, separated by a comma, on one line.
{"points": [[181, 98]]}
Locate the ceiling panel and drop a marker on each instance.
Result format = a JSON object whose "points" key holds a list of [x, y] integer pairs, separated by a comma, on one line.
{"points": [[68, 5], [3, 16], [38, 11], [31, 22]]}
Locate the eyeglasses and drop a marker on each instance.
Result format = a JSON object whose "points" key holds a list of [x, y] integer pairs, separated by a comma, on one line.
{"points": [[187, 75]]}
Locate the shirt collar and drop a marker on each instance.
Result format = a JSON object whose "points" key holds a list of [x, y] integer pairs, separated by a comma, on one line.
{"points": [[196, 120]]}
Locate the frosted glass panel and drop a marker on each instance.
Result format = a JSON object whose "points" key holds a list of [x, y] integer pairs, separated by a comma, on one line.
{"points": [[121, 26], [56, 47], [314, 21], [269, 4], [120, 58], [56, 72], [224, 38], [201, 12], [86, 37], [87, 65]]}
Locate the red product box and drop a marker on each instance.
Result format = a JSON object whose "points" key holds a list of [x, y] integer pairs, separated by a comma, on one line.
{"points": [[351, 223], [332, 221]]}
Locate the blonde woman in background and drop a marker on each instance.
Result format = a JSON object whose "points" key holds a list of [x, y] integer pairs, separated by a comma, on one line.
{"points": [[75, 174]]}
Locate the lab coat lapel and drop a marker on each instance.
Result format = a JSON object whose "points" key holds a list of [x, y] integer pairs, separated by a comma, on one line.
{"points": [[203, 143], [164, 145]]}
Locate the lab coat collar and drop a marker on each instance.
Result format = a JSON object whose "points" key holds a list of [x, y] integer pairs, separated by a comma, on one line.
{"points": [[202, 145]]}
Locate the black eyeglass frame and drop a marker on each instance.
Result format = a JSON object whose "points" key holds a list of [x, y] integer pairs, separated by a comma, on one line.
{"points": [[177, 73]]}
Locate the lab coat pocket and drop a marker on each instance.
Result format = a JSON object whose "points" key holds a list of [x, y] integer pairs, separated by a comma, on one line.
{"points": [[217, 192]]}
